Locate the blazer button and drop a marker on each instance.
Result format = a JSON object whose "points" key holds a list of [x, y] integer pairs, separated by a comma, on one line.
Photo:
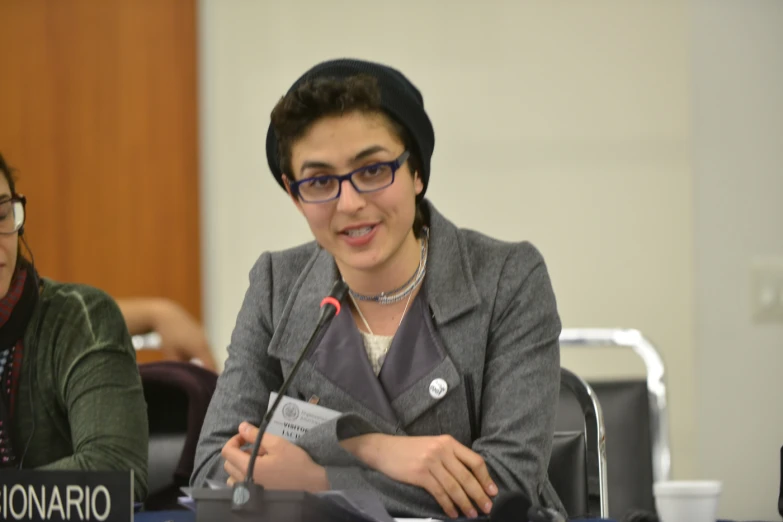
{"points": [[438, 388]]}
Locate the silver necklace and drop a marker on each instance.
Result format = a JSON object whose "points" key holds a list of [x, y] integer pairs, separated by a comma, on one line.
{"points": [[400, 293], [367, 325]]}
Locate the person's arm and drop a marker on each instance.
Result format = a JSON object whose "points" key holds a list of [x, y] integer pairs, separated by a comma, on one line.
{"points": [[182, 337], [242, 391], [139, 313], [522, 359], [243, 388], [518, 405], [521, 387], [99, 383], [414, 476]]}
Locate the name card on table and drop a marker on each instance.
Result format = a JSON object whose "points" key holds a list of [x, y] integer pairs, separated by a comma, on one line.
{"points": [[86, 496]]}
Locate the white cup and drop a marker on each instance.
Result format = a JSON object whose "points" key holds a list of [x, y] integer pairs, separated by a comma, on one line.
{"points": [[687, 500]]}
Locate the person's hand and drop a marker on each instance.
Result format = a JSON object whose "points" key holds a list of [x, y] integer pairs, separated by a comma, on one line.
{"points": [[181, 337], [281, 464], [452, 473]]}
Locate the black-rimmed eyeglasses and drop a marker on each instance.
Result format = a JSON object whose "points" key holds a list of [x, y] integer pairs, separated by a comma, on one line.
{"points": [[12, 214], [371, 178]]}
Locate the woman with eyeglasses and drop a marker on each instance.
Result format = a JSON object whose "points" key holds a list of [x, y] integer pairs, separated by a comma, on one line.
{"points": [[70, 391], [445, 368]]}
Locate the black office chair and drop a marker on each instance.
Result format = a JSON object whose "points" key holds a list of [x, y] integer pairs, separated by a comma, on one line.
{"points": [[177, 396], [568, 471], [635, 417], [577, 467], [780, 494]]}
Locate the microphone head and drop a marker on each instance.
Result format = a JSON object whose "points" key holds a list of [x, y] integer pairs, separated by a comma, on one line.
{"points": [[335, 298]]}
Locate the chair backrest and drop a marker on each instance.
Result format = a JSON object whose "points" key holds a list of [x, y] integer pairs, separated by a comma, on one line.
{"points": [[177, 396], [628, 448], [577, 395], [165, 451], [568, 471], [780, 494], [636, 420]]}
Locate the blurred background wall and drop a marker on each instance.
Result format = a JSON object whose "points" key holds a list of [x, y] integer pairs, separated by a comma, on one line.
{"points": [[98, 113], [737, 157]]}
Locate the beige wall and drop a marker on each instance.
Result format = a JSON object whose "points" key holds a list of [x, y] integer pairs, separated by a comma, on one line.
{"points": [[738, 215], [564, 123]]}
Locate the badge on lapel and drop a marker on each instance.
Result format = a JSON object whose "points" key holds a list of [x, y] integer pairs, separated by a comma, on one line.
{"points": [[438, 388]]}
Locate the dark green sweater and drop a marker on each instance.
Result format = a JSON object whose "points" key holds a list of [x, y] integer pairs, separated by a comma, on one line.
{"points": [[80, 403]]}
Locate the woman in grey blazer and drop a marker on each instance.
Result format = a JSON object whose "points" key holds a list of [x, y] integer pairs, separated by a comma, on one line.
{"points": [[446, 368]]}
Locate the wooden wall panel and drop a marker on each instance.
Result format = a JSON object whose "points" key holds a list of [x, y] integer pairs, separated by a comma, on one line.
{"points": [[98, 112]]}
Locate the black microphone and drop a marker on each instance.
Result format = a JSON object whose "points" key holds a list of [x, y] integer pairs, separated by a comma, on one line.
{"points": [[246, 491], [517, 507]]}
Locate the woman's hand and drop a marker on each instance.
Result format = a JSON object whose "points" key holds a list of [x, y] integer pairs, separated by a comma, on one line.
{"points": [[281, 464], [452, 473], [182, 338]]}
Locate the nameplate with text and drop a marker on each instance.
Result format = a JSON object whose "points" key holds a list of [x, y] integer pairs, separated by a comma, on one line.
{"points": [[86, 496]]}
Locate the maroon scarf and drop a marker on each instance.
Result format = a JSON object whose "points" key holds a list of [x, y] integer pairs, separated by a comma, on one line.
{"points": [[16, 309]]}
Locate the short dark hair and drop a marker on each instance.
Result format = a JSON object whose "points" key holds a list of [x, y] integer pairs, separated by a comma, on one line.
{"points": [[322, 97]]}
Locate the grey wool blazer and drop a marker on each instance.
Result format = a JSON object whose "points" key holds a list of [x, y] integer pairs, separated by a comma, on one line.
{"points": [[487, 325]]}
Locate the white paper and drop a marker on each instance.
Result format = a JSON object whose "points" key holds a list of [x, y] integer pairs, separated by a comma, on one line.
{"points": [[214, 484], [187, 502], [294, 418]]}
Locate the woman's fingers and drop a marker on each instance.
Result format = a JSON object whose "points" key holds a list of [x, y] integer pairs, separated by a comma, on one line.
{"points": [[435, 489], [234, 472], [478, 467], [468, 482], [454, 490]]}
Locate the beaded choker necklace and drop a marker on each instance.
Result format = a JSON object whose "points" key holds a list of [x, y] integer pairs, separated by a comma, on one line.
{"points": [[403, 291]]}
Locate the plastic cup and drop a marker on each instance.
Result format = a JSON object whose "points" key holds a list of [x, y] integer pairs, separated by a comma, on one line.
{"points": [[687, 500]]}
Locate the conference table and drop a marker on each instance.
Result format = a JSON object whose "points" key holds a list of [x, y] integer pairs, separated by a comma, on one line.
{"points": [[190, 516]]}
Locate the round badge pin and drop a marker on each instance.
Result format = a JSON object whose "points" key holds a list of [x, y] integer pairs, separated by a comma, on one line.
{"points": [[438, 388]]}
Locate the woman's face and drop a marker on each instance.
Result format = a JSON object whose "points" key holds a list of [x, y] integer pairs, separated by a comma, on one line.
{"points": [[362, 231], [9, 243]]}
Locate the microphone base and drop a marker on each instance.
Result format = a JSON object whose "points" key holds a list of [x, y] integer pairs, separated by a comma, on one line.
{"points": [[268, 505]]}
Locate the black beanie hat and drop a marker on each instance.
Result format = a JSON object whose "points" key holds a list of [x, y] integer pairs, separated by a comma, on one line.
{"points": [[399, 98]]}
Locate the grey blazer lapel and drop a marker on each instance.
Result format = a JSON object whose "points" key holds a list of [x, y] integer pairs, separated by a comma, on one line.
{"points": [[302, 308], [417, 372], [340, 357], [451, 294], [433, 342], [336, 360], [449, 284]]}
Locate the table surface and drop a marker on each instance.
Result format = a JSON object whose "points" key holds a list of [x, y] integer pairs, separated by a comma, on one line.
{"points": [[190, 516], [165, 516]]}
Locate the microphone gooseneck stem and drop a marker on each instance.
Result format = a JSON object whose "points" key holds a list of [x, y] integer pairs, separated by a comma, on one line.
{"points": [[325, 316]]}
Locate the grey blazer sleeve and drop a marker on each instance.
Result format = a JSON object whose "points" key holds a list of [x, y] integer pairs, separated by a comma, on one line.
{"points": [[518, 402], [521, 386], [242, 391], [344, 471]]}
